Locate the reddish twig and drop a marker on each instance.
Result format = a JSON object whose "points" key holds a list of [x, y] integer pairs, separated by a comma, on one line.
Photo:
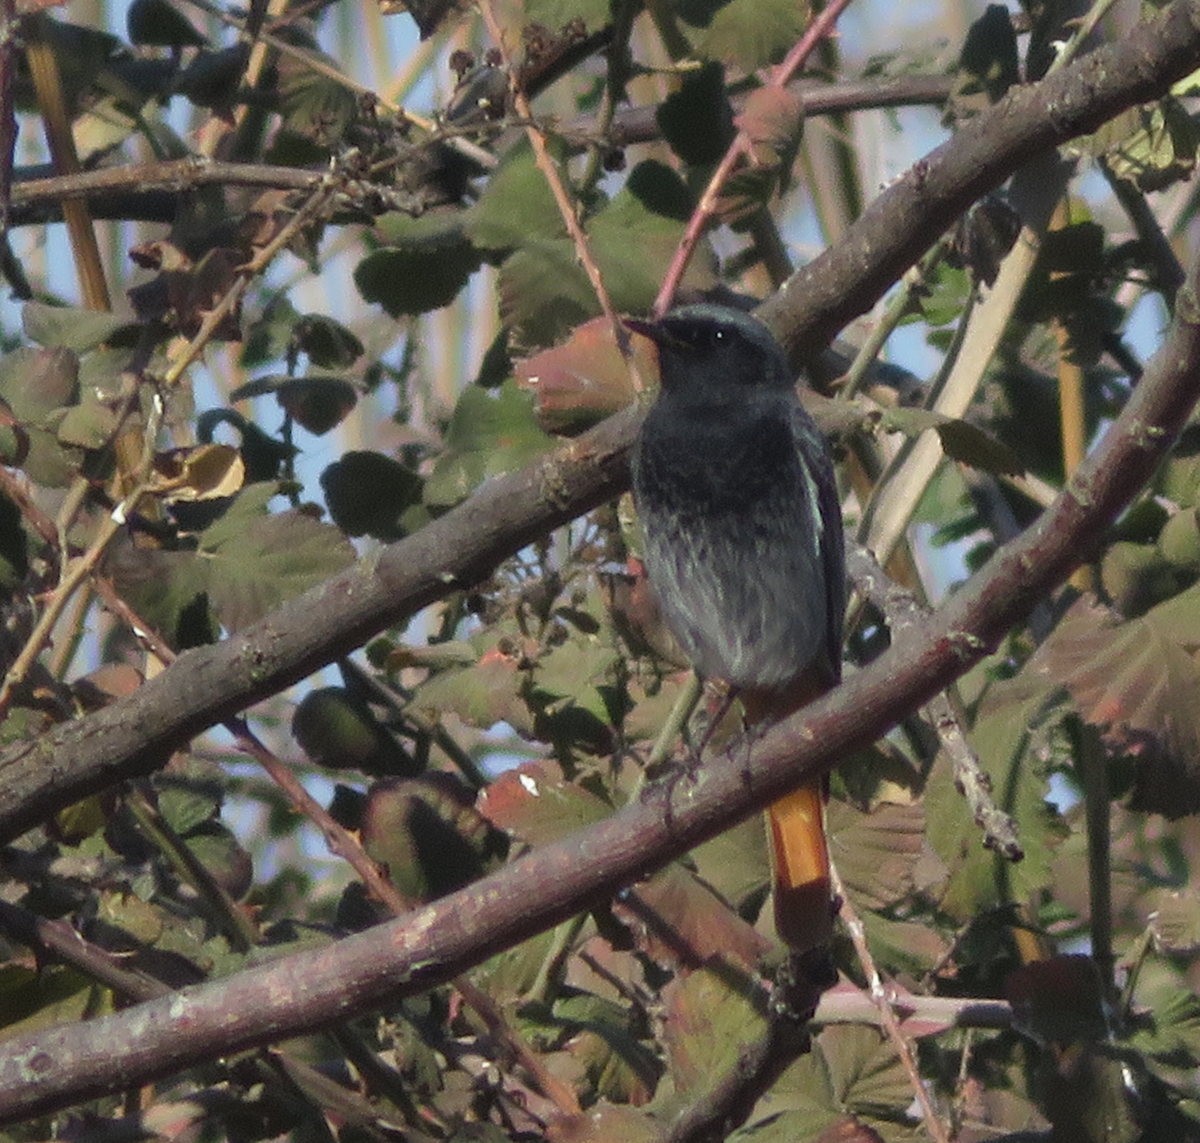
{"points": [[706, 209]]}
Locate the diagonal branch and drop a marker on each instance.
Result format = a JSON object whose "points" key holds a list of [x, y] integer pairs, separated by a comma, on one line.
{"points": [[308, 990]]}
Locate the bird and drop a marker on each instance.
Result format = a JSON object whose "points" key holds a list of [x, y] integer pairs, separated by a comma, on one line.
{"points": [[735, 490]]}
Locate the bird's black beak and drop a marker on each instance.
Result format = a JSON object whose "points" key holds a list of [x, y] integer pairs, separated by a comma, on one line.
{"points": [[650, 329], [657, 332]]}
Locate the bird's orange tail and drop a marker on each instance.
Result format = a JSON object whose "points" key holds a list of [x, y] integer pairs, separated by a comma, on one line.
{"points": [[800, 877], [800, 868]]}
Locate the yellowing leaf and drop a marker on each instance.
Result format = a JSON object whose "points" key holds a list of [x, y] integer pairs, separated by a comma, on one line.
{"points": [[206, 472]]}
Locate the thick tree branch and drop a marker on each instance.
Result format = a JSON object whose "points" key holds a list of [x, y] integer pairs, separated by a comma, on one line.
{"points": [[132, 736], [433, 944], [842, 283]]}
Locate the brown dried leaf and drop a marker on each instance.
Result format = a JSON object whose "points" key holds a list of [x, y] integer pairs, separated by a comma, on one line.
{"points": [[677, 919], [772, 118]]}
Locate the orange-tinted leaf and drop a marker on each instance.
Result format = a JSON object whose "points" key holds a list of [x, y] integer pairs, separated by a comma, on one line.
{"points": [[580, 382], [537, 804]]}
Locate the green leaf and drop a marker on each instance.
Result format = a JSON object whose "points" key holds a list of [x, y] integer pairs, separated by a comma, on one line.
{"points": [[328, 343], [137, 921], [318, 402], [556, 14], [942, 297], [34, 383], [710, 1016], [212, 78], [1152, 145], [617, 1064], [158, 23], [427, 261], [271, 336], [340, 732], [165, 588], [747, 33], [313, 105], [186, 804], [697, 119], [14, 546], [32, 1000], [988, 64], [1179, 540], [91, 424], [368, 493], [1138, 681], [572, 695], [516, 206], [876, 853], [68, 327], [492, 431], [215, 847], [254, 561], [545, 293], [960, 440], [426, 833]]}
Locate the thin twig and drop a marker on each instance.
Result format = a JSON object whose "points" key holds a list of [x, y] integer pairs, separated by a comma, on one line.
{"points": [[562, 198], [706, 209], [904, 613], [888, 1019], [8, 118], [324, 68]]}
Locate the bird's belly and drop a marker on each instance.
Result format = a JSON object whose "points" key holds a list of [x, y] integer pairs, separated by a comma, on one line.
{"points": [[744, 601]]}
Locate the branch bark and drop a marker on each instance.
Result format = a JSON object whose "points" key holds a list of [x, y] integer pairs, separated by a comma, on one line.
{"points": [[308, 990]]}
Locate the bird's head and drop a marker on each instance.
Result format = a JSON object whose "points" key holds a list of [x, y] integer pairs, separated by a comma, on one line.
{"points": [[711, 348]]}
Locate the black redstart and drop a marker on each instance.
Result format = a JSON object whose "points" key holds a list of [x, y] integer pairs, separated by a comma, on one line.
{"points": [[743, 546]]}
